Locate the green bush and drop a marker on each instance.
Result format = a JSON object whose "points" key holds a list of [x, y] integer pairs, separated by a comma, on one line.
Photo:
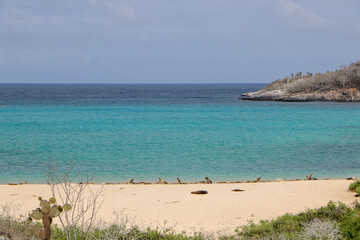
{"points": [[291, 225], [355, 186]]}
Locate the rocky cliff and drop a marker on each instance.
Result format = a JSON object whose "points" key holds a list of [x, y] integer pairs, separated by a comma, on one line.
{"points": [[342, 85]]}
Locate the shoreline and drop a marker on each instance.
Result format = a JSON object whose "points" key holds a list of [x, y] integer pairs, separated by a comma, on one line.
{"points": [[189, 183], [222, 209]]}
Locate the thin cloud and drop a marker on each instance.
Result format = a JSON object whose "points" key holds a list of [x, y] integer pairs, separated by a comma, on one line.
{"points": [[297, 15]]}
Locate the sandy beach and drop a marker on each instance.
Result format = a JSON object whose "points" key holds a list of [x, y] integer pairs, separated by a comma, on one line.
{"points": [[220, 210]]}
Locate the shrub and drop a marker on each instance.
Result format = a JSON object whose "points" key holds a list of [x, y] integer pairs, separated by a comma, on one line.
{"points": [[347, 219], [355, 186], [321, 229]]}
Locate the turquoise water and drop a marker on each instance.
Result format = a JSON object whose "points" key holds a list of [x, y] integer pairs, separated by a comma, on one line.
{"points": [[190, 137]]}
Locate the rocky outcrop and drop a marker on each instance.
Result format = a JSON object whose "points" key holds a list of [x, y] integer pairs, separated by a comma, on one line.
{"points": [[338, 95], [342, 85]]}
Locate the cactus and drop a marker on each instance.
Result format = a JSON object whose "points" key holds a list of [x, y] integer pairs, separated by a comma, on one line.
{"points": [[46, 212]]}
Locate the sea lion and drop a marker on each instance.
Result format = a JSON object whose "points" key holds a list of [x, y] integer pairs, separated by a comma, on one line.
{"points": [[160, 180], [237, 190], [179, 181], [258, 179], [199, 192], [131, 181]]}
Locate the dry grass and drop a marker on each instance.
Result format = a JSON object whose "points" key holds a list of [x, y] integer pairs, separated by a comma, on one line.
{"points": [[346, 77]]}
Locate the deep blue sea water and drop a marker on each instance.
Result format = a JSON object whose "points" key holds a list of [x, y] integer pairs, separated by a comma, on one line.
{"points": [[186, 131]]}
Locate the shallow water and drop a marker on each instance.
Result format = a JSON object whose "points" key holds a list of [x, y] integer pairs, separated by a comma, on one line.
{"points": [[186, 131]]}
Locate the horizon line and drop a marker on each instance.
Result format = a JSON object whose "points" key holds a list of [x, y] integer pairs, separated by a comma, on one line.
{"points": [[90, 83]]}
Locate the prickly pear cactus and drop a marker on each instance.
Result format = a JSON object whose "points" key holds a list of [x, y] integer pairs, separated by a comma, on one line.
{"points": [[46, 212]]}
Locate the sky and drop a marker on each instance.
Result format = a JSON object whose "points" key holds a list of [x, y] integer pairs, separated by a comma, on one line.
{"points": [[174, 41]]}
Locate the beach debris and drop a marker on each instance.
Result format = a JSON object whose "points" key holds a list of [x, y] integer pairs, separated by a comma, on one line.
{"points": [[46, 212], [179, 181], [258, 179], [208, 181], [131, 181], [309, 177], [172, 202], [143, 183], [352, 178], [162, 181], [237, 190], [199, 192]]}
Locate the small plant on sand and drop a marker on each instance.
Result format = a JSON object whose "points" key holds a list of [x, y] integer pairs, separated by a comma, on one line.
{"points": [[13, 224], [69, 186], [46, 212]]}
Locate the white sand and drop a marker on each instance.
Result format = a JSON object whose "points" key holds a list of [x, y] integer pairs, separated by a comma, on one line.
{"points": [[220, 210]]}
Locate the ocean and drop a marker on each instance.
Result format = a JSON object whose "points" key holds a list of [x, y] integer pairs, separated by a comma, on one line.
{"points": [[189, 131]]}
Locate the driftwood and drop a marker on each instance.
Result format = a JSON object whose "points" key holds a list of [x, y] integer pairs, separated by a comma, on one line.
{"points": [[309, 177], [208, 180]]}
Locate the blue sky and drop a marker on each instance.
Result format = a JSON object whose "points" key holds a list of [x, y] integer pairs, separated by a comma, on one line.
{"points": [[174, 41]]}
